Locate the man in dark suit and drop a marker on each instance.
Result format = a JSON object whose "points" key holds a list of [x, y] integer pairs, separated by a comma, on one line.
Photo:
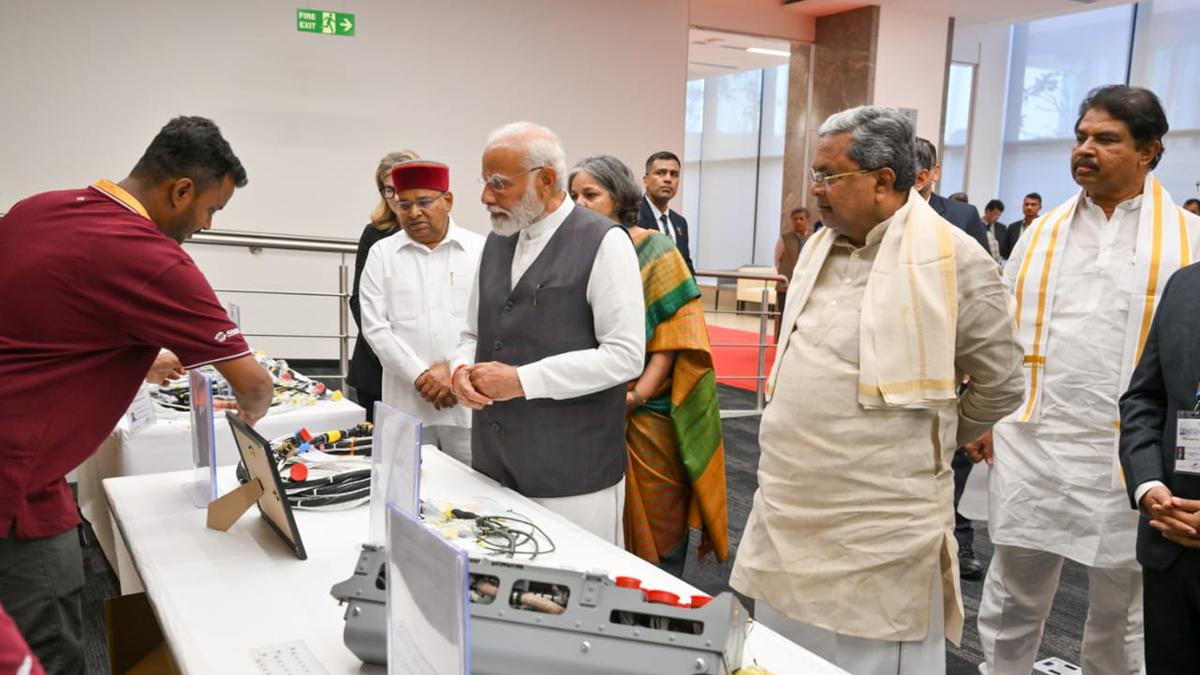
{"points": [[1165, 488], [997, 231], [963, 216], [1030, 208], [966, 218], [662, 182]]}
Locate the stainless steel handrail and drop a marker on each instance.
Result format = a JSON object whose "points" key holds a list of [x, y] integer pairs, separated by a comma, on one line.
{"points": [[257, 241], [288, 242], [764, 312], [309, 294]]}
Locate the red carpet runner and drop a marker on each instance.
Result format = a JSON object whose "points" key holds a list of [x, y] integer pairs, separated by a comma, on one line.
{"points": [[732, 359]]}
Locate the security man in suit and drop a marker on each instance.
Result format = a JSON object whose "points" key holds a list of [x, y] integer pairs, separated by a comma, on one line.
{"points": [[963, 216], [1162, 475], [662, 182], [997, 232], [1031, 206]]}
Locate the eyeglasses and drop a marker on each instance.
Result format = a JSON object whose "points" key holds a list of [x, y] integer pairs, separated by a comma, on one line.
{"points": [[406, 206], [500, 183], [824, 179]]}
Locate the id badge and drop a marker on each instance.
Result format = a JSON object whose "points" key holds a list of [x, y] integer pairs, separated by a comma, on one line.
{"points": [[1187, 443]]}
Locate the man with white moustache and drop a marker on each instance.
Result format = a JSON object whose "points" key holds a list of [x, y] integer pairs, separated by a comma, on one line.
{"points": [[555, 330]]}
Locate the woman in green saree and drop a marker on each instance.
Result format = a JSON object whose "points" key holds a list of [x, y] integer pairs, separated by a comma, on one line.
{"points": [[675, 475]]}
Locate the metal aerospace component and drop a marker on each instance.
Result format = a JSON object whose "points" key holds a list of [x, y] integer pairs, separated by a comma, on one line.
{"points": [[533, 619]]}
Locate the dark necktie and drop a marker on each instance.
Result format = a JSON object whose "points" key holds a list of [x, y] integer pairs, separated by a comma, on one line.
{"points": [[665, 227]]}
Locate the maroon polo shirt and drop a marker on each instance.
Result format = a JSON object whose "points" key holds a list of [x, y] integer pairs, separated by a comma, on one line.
{"points": [[15, 654], [90, 289]]}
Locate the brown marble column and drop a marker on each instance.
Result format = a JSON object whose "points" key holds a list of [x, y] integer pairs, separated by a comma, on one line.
{"points": [[834, 73]]}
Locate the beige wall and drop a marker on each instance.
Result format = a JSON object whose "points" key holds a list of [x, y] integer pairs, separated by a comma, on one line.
{"points": [[910, 60], [310, 115], [85, 90]]}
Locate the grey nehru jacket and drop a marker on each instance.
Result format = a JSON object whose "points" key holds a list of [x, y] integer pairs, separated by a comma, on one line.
{"points": [[545, 447]]}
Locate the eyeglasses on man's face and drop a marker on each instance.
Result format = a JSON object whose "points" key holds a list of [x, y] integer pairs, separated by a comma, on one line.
{"points": [[500, 183], [822, 179], [407, 205]]}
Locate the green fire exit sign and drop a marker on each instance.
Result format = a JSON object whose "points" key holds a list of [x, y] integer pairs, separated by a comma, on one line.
{"points": [[328, 23]]}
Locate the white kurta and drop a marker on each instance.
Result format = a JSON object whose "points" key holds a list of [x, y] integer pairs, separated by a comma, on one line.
{"points": [[614, 292], [1051, 486], [414, 306]]}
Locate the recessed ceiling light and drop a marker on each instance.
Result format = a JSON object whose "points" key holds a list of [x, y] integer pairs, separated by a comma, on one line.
{"points": [[767, 52]]}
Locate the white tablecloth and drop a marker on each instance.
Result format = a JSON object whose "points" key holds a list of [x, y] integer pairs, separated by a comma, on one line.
{"points": [[220, 595], [167, 446]]}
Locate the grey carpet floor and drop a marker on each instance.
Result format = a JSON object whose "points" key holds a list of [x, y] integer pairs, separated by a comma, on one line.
{"points": [[1064, 627]]}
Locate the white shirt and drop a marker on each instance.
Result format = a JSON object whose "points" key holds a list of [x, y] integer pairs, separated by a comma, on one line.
{"points": [[1086, 343], [414, 306], [658, 224], [1051, 487], [993, 244], [614, 292]]}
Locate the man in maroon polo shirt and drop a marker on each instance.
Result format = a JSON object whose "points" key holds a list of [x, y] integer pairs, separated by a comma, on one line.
{"points": [[93, 283], [15, 655]]}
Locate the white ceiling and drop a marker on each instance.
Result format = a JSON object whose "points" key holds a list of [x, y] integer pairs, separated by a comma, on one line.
{"points": [[714, 53], [965, 12], [718, 53]]}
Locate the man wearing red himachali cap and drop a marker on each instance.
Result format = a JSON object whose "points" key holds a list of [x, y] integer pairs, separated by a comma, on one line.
{"points": [[414, 293]]}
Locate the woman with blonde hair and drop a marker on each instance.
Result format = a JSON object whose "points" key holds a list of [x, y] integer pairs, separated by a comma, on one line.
{"points": [[675, 476], [366, 373]]}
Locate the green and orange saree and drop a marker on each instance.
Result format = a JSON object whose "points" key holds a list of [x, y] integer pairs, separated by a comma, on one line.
{"points": [[675, 478]]}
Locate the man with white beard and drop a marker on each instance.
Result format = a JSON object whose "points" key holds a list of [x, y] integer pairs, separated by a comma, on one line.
{"points": [[555, 330]]}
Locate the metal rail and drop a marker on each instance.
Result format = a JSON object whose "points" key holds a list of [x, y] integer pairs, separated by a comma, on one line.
{"points": [[287, 242], [764, 313], [256, 242]]}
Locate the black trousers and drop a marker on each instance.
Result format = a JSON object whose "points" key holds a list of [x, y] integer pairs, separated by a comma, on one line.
{"points": [[41, 588], [367, 398], [1172, 616], [963, 531]]}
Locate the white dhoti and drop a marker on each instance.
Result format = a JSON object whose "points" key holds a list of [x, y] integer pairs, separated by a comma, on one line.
{"points": [[452, 440], [601, 512], [1086, 283], [1016, 600], [862, 656]]}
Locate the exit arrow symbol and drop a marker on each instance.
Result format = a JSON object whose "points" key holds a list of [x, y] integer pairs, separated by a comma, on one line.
{"points": [[346, 24]]}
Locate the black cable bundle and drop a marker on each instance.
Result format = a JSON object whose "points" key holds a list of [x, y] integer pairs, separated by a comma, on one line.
{"points": [[338, 489]]}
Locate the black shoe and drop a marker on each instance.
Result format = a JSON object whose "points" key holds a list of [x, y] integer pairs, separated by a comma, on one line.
{"points": [[970, 568]]}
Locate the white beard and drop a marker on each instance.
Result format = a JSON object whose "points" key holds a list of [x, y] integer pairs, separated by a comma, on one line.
{"points": [[526, 212]]}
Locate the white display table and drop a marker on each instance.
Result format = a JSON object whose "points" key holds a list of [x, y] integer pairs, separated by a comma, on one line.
{"points": [[221, 595], [167, 446]]}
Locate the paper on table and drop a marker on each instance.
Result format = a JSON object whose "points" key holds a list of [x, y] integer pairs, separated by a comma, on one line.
{"points": [[140, 414], [287, 658]]}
